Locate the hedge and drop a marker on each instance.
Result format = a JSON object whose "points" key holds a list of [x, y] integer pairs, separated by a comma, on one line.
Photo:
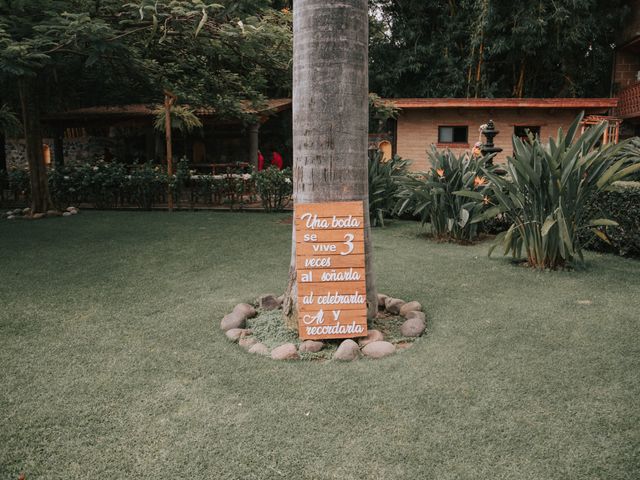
{"points": [[621, 204]]}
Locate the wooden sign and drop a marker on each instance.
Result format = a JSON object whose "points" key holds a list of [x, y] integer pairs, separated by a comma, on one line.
{"points": [[332, 293]]}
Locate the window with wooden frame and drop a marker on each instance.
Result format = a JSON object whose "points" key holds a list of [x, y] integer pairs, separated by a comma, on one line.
{"points": [[453, 134]]}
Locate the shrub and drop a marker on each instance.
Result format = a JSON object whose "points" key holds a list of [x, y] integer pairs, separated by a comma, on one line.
{"points": [[621, 203], [147, 185], [546, 192], [451, 195], [274, 187], [383, 185]]}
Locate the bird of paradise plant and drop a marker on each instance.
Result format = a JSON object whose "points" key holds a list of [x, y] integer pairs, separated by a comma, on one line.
{"points": [[546, 191]]}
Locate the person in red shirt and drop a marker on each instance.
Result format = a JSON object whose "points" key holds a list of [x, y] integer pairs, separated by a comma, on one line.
{"points": [[260, 161], [276, 160]]}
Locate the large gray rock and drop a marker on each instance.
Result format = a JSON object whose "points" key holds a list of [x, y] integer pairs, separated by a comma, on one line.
{"points": [[233, 320], [38, 216], [245, 309], [393, 305], [259, 349], [287, 351], [347, 351], [67, 214], [379, 349], [372, 336], [381, 300], [410, 307], [415, 314], [311, 346], [413, 327], [269, 302], [234, 334]]}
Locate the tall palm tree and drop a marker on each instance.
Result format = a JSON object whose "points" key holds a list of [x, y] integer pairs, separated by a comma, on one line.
{"points": [[330, 116]]}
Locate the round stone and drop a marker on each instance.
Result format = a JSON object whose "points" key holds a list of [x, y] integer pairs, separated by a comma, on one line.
{"points": [[311, 346], [259, 349], [245, 309], [379, 349], [393, 305], [415, 314], [269, 302], [413, 327], [247, 342], [372, 336], [381, 300], [233, 320], [347, 351], [410, 307], [234, 334], [67, 214], [287, 351]]}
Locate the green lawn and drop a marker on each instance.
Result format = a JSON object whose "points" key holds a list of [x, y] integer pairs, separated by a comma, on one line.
{"points": [[113, 366]]}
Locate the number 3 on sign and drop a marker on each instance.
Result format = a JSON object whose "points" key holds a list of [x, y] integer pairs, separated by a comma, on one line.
{"points": [[348, 241]]}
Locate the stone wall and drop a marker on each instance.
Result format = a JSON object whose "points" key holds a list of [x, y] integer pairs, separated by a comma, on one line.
{"points": [[76, 150]]}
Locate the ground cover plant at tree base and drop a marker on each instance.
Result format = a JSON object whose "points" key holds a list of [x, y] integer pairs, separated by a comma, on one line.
{"points": [[435, 196], [113, 365], [383, 185], [546, 191]]}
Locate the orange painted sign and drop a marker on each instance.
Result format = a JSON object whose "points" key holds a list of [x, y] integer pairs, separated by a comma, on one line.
{"points": [[332, 293]]}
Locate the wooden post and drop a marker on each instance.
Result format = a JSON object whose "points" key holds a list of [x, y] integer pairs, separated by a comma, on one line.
{"points": [[169, 99], [253, 144]]}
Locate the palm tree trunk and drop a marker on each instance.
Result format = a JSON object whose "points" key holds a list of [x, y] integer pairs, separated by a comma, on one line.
{"points": [[330, 117]]}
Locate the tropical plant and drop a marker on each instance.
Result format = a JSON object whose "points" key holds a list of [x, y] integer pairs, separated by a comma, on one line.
{"points": [[182, 118], [384, 180], [450, 196], [274, 188], [547, 188]]}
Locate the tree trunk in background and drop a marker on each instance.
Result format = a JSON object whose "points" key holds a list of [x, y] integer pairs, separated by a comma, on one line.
{"points": [[58, 147], [3, 152], [40, 200], [330, 117]]}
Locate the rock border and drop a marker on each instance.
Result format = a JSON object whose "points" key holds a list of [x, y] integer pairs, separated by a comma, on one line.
{"points": [[372, 346], [25, 213]]}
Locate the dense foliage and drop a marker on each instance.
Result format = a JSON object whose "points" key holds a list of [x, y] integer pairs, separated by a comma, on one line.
{"points": [[274, 187], [384, 181], [621, 203], [547, 189], [107, 185], [450, 196], [493, 48]]}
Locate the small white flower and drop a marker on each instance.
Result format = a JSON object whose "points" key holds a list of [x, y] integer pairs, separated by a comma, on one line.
{"points": [[95, 169], [66, 177], [287, 180]]}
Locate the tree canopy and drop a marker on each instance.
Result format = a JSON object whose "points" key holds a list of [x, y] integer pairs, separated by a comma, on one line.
{"points": [[493, 48]]}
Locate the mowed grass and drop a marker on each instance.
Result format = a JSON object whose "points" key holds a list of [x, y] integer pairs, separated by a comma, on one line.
{"points": [[113, 365]]}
